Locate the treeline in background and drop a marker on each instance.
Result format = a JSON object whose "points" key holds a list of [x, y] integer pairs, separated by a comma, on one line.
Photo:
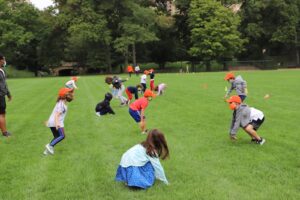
{"points": [[104, 36]]}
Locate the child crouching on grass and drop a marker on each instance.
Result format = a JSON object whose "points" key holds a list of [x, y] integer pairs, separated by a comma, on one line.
{"points": [[56, 120], [250, 119], [140, 165], [103, 107], [160, 89], [138, 107]]}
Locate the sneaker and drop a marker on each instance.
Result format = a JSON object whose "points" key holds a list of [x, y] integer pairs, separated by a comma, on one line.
{"points": [[46, 152], [50, 149], [261, 141], [145, 132], [98, 114], [6, 134], [253, 140]]}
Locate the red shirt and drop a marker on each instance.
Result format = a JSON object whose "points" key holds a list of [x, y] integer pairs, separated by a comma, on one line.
{"points": [[139, 104]]}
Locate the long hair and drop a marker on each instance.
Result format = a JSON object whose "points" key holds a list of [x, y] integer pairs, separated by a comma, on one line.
{"points": [[156, 144]]}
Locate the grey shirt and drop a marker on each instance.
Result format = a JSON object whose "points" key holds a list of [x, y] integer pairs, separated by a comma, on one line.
{"points": [[239, 84], [241, 118], [3, 85]]}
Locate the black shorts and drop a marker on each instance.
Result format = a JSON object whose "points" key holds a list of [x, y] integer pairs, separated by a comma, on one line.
{"points": [[2, 105], [257, 123]]}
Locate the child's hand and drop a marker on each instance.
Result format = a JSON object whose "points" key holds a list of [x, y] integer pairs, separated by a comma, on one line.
{"points": [[46, 123], [57, 127]]}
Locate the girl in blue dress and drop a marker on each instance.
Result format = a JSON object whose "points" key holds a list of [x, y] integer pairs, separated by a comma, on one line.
{"points": [[140, 165]]}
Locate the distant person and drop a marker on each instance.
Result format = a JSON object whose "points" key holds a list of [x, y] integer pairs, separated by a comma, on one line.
{"points": [[137, 70], [57, 117], [238, 84], [144, 80], [187, 69], [140, 165], [71, 84], [133, 90], [160, 88], [250, 119], [103, 107], [130, 70], [138, 107], [152, 75], [4, 91]]}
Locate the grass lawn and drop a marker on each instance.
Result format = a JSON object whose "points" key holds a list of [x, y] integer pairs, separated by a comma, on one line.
{"points": [[204, 163]]}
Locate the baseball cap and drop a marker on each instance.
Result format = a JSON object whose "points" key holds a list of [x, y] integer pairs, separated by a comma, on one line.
{"points": [[63, 91], [229, 76], [235, 99], [149, 93]]}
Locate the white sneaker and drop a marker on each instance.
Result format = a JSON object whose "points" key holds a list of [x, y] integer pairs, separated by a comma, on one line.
{"points": [[98, 114], [50, 149], [261, 142], [46, 152]]}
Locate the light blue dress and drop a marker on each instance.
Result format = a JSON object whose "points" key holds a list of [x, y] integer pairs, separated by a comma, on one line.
{"points": [[138, 169]]}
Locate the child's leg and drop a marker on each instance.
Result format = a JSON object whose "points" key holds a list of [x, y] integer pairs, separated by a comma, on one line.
{"points": [[129, 95], [250, 130], [59, 135], [152, 84], [143, 125], [120, 94]]}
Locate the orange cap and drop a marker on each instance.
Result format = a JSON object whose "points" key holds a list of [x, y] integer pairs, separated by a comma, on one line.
{"points": [[149, 93], [229, 76], [63, 91], [146, 72], [74, 78], [235, 99]]}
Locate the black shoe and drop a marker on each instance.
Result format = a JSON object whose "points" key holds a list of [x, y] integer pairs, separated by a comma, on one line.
{"points": [[253, 140], [261, 141], [6, 134]]}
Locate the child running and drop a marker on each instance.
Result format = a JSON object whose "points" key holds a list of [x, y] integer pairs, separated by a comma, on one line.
{"points": [[140, 165], [119, 86], [138, 107], [133, 90], [152, 75], [144, 80], [103, 107], [250, 119], [71, 83], [238, 84], [160, 88], [56, 120]]}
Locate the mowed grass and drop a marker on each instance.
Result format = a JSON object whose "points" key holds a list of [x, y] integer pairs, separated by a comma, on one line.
{"points": [[204, 163]]}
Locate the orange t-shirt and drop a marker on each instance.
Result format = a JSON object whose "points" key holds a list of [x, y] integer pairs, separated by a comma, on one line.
{"points": [[139, 104], [129, 68]]}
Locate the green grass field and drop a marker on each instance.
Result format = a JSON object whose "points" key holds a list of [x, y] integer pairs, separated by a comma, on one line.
{"points": [[203, 164]]}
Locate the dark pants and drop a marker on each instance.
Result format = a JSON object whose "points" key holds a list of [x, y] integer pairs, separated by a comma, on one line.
{"points": [[243, 97], [2, 105], [144, 86], [58, 135]]}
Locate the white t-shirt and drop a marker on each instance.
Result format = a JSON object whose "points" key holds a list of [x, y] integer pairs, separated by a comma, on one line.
{"points": [[137, 68], [256, 114], [61, 108], [144, 78], [71, 84]]}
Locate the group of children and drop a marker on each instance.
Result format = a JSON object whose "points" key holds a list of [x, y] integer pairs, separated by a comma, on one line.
{"points": [[249, 118], [140, 165]]}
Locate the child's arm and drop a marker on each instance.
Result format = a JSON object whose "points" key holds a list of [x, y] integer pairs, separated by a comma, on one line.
{"points": [[158, 169], [229, 91], [74, 85], [57, 115]]}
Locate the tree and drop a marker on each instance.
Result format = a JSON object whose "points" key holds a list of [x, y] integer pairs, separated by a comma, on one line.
{"points": [[214, 33]]}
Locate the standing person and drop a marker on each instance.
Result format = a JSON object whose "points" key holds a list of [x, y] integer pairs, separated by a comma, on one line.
{"points": [[144, 80], [129, 70], [57, 117], [250, 119], [138, 107], [133, 90], [140, 165], [152, 75], [71, 83], [238, 84], [160, 88], [137, 70], [4, 91], [103, 107]]}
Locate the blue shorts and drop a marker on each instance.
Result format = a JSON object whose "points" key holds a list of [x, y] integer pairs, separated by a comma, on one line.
{"points": [[136, 115]]}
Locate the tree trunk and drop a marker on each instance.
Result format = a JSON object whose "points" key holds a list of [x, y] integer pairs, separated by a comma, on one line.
{"points": [[126, 57], [297, 49], [133, 54], [225, 67], [108, 59], [208, 66]]}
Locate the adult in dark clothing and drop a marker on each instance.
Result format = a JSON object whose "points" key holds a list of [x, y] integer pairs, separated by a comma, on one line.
{"points": [[103, 107], [4, 91]]}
